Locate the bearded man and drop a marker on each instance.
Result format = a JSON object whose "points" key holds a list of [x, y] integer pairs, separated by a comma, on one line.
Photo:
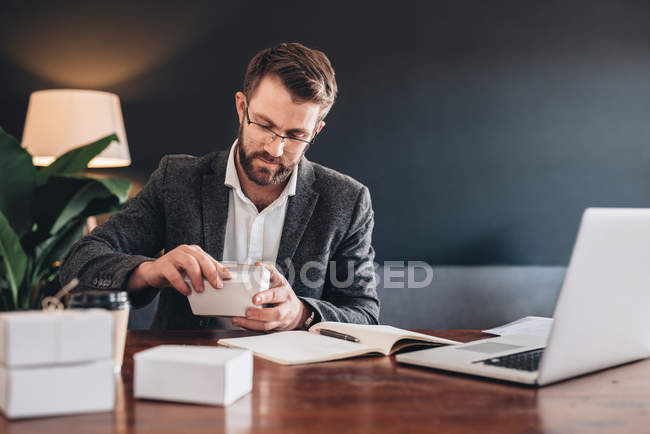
{"points": [[261, 202]]}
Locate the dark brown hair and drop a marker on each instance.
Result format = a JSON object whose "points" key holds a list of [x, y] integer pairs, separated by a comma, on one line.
{"points": [[306, 73]]}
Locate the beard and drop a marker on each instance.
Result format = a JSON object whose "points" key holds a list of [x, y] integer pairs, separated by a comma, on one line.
{"points": [[262, 176]]}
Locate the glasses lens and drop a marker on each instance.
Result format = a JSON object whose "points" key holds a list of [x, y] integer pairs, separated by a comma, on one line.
{"points": [[293, 145], [265, 136], [261, 134]]}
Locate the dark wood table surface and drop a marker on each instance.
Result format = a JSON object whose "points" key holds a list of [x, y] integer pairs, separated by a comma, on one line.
{"points": [[372, 394]]}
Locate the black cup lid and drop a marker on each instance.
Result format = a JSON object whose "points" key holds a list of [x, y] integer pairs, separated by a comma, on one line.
{"points": [[97, 298]]}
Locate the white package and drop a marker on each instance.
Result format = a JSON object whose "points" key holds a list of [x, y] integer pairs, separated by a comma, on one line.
{"points": [[236, 294], [34, 338], [194, 374], [57, 390]]}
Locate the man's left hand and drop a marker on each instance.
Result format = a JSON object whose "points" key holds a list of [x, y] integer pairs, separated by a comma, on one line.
{"points": [[288, 312]]}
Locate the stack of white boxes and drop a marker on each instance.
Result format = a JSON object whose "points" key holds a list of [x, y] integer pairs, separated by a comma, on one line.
{"points": [[54, 363]]}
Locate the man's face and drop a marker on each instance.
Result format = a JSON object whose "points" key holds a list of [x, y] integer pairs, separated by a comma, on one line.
{"points": [[272, 106]]}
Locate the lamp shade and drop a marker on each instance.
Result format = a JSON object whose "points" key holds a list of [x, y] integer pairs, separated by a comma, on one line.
{"points": [[62, 119]]}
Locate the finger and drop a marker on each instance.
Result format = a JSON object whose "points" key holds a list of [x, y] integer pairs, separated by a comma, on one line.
{"points": [[221, 271], [276, 313], [208, 268], [276, 278], [254, 324], [192, 269], [174, 277], [276, 294]]}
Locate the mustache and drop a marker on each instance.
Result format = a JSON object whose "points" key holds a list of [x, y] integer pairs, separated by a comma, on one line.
{"points": [[266, 156]]}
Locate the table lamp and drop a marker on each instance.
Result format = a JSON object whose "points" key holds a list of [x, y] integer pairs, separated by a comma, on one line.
{"points": [[62, 119]]}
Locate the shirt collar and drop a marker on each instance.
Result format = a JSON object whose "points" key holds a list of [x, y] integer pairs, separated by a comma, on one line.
{"points": [[232, 178]]}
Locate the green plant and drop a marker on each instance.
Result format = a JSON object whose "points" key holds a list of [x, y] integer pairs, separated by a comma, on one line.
{"points": [[43, 212]]}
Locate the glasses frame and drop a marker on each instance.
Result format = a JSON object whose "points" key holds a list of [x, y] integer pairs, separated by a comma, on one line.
{"points": [[276, 135]]}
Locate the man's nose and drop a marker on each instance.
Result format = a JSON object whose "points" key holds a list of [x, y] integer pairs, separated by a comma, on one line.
{"points": [[275, 147]]}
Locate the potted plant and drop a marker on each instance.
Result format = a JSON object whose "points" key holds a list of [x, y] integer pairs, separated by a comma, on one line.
{"points": [[42, 213]]}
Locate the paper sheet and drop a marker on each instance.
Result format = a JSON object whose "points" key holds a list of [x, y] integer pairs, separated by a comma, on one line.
{"points": [[296, 347], [530, 325]]}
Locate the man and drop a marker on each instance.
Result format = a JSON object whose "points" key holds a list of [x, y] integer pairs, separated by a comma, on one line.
{"points": [[260, 202]]}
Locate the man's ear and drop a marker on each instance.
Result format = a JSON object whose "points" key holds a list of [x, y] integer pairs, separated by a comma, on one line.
{"points": [[240, 105], [320, 126]]}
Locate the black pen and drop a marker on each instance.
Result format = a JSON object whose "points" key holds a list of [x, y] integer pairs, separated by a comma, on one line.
{"points": [[333, 334]]}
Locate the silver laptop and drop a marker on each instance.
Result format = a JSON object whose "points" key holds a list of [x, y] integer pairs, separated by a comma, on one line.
{"points": [[601, 317]]}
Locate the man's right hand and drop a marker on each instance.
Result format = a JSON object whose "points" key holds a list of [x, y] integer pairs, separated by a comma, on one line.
{"points": [[168, 271]]}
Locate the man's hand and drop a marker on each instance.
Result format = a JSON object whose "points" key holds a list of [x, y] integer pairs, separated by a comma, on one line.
{"points": [[168, 271], [287, 313]]}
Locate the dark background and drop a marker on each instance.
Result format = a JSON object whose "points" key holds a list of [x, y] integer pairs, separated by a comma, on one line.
{"points": [[482, 128]]}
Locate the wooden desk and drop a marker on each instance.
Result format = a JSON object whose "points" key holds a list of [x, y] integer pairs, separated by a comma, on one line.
{"points": [[372, 395]]}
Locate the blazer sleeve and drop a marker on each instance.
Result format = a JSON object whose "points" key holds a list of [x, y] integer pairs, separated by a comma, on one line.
{"points": [[352, 296], [105, 258]]}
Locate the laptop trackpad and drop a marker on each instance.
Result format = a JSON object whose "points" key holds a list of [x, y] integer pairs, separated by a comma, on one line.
{"points": [[489, 347]]}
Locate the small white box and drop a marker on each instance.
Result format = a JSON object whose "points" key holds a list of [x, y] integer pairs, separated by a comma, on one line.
{"points": [[57, 390], [236, 294], [48, 338], [191, 373]]}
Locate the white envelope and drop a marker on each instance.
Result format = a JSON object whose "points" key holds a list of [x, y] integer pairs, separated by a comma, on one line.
{"points": [[236, 294]]}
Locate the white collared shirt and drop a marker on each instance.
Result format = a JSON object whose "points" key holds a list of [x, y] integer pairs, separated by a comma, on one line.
{"points": [[251, 235]]}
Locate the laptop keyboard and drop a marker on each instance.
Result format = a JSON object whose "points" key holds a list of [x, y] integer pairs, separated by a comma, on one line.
{"points": [[526, 361]]}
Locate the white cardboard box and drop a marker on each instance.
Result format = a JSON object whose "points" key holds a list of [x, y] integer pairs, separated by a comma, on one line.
{"points": [[191, 373], [34, 338], [57, 390], [236, 294]]}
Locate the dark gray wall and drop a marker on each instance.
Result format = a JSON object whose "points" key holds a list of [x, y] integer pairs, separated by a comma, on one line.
{"points": [[482, 128]]}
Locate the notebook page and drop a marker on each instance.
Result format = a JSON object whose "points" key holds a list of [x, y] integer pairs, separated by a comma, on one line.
{"points": [[377, 336], [296, 347]]}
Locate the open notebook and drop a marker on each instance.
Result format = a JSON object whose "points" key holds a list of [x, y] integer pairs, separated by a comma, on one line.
{"points": [[298, 347]]}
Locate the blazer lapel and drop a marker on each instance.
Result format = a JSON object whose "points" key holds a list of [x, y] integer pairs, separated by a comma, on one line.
{"points": [[299, 211], [215, 197]]}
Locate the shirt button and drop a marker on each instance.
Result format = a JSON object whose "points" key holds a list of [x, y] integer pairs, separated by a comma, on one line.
{"points": [[203, 323]]}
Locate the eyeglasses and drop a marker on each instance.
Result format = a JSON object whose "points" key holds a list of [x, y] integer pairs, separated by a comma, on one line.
{"points": [[265, 135]]}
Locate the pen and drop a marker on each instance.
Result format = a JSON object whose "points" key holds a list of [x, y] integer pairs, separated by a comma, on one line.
{"points": [[333, 334]]}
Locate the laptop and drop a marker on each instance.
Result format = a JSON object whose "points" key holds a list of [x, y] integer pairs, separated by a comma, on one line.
{"points": [[601, 315]]}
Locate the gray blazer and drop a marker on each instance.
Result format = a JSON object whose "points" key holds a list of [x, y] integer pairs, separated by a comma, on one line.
{"points": [[326, 235]]}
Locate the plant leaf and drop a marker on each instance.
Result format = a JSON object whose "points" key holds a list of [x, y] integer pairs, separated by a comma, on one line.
{"points": [[119, 187], [79, 202], [92, 193], [75, 160], [17, 184], [56, 247], [13, 255], [102, 206], [49, 200]]}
